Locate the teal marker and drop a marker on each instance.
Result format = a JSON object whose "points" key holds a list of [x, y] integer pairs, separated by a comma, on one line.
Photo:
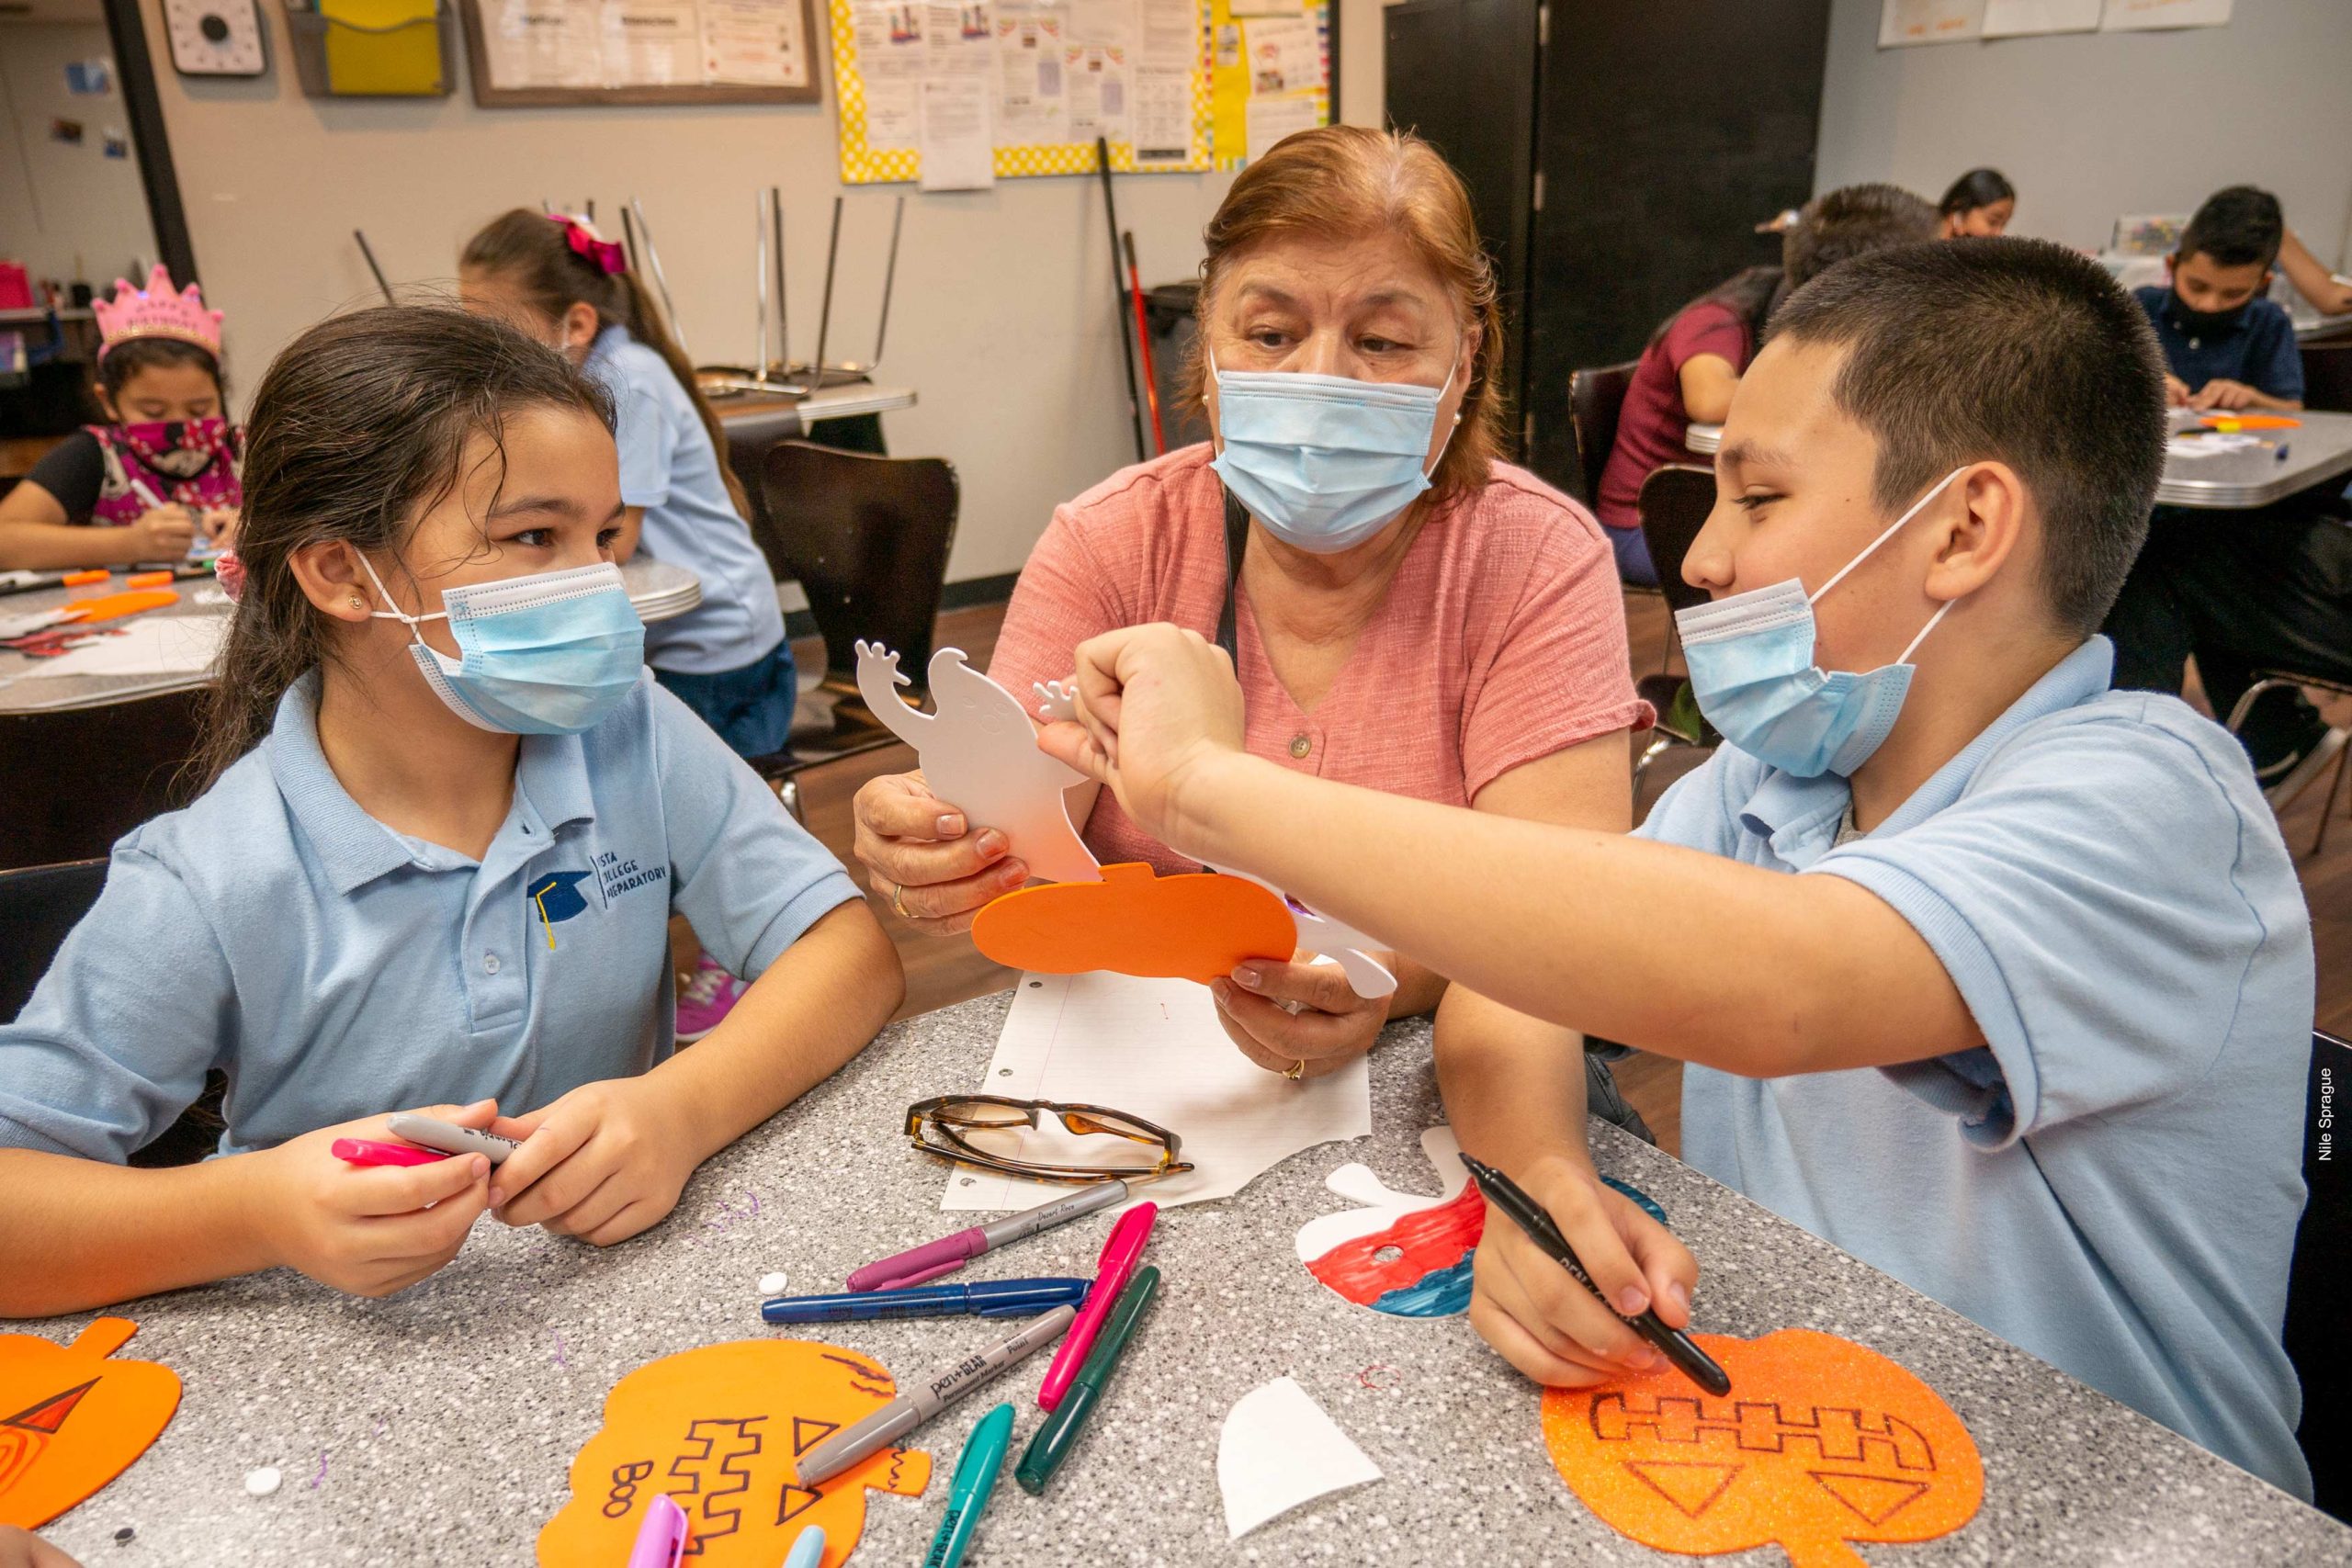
{"points": [[976, 1474], [1059, 1434], [808, 1548]]}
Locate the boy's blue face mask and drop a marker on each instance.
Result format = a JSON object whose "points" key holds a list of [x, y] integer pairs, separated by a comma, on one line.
{"points": [[551, 653], [1325, 462], [1750, 658]]}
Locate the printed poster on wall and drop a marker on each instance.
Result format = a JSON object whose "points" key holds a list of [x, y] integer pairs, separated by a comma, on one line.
{"points": [[2016, 19], [2140, 16], [1903, 23], [528, 45], [1038, 80]]}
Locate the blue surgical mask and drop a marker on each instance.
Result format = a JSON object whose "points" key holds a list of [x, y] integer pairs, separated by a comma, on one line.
{"points": [[1325, 462], [551, 653], [1750, 659]]}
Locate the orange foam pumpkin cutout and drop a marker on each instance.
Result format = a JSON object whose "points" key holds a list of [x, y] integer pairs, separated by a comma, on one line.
{"points": [[1195, 925], [717, 1429], [72, 1419], [1819, 1443]]}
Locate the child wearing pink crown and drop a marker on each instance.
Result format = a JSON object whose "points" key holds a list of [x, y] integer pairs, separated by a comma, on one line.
{"points": [[158, 481]]}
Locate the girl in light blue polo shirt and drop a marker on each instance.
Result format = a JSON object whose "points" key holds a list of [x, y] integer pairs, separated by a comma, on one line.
{"points": [[447, 822], [555, 279]]}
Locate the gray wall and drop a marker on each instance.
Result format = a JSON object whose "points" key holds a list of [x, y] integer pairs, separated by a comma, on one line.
{"points": [[2089, 125], [65, 203]]}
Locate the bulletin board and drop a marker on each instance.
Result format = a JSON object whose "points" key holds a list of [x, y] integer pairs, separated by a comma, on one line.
{"points": [[536, 53], [1270, 74], [1056, 74]]}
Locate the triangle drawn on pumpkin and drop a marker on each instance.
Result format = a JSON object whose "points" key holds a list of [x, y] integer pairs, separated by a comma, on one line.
{"points": [[1877, 1498], [50, 1412], [1692, 1488], [796, 1500], [808, 1431]]}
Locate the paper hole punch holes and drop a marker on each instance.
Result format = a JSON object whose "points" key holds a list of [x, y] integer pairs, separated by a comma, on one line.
{"points": [[980, 754], [1822, 1442]]}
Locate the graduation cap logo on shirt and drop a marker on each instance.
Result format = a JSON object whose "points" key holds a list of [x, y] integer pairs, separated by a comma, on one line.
{"points": [[557, 898]]}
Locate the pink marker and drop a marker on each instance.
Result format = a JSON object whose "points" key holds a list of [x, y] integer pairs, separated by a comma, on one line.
{"points": [[1118, 1260], [367, 1151], [661, 1540]]}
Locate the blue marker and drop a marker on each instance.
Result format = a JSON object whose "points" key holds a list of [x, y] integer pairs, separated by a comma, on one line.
{"points": [[975, 1475], [996, 1297], [808, 1549]]}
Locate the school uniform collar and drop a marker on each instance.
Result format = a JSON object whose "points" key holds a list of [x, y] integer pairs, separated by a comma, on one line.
{"points": [[1799, 817], [353, 848], [606, 342]]}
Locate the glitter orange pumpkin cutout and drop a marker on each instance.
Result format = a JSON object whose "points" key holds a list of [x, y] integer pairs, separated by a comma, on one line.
{"points": [[717, 1430], [1820, 1442], [73, 1417]]}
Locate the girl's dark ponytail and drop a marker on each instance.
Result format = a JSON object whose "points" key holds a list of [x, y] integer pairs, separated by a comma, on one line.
{"points": [[531, 249], [358, 428]]}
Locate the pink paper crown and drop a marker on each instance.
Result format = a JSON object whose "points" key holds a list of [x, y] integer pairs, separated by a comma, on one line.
{"points": [[156, 312]]}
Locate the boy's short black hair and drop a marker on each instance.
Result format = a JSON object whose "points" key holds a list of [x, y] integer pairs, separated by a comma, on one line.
{"points": [[1852, 221], [2016, 350], [129, 357], [2236, 227]]}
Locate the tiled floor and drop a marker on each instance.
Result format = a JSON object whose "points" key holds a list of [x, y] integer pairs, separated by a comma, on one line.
{"points": [[941, 970]]}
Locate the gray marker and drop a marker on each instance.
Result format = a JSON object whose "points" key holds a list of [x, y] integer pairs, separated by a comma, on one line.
{"points": [[433, 1134], [911, 1410], [1045, 1216]]}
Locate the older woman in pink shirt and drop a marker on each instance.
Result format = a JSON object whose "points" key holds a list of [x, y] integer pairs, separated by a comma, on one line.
{"points": [[1404, 611]]}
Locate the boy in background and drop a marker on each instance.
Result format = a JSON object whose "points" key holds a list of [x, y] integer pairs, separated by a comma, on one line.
{"points": [[2244, 591], [2225, 345]]}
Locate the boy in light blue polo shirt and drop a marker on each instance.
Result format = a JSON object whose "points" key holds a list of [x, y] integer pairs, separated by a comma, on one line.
{"points": [[1998, 979], [450, 819]]}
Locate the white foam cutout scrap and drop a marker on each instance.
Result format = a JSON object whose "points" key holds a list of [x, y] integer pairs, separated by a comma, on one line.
{"points": [[1279, 1449]]}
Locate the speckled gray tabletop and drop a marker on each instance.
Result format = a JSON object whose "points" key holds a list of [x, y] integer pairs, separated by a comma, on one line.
{"points": [[437, 1426]]}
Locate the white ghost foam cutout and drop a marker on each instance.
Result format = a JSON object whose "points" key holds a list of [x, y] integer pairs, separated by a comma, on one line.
{"points": [[1343, 945], [1278, 1450], [1382, 1207], [979, 753]]}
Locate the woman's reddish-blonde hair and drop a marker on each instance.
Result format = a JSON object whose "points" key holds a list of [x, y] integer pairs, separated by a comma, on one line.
{"points": [[1345, 180]]}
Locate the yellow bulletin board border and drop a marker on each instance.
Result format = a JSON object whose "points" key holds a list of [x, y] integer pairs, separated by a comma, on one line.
{"points": [[1229, 84], [861, 164]]}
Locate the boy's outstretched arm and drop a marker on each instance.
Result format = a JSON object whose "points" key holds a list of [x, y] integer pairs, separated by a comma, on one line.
{"points": [[1668, 949]]}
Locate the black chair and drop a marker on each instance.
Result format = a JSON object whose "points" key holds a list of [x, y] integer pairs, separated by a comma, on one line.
{"points": [[867, 539], [1673, 507], [2327, 376], [39, 905], [1595, 396], [81, 778], [2319, 1282], [2270, 680]]}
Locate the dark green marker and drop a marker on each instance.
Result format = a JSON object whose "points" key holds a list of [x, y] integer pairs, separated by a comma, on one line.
{"points": [[1059, 1434]]}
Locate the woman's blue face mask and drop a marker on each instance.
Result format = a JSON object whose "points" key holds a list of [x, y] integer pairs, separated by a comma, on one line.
{"points": [[1752, 672], [1325, 462], [548, 653]]}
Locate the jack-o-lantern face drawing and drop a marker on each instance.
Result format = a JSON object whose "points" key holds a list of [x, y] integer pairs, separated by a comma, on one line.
{"points": [[1819, 1443], [72, 1419], [717, 1430], [1195, 925]]}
